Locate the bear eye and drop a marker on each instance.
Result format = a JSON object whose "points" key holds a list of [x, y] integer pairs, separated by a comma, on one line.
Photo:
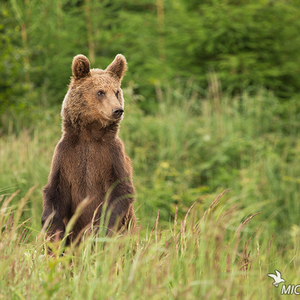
{"points": [[117, 94], [100, 93]]}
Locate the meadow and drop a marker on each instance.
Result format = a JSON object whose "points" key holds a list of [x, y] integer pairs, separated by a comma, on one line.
{"points": [[217, 182]]}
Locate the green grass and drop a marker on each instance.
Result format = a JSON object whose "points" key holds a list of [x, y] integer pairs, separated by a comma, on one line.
{"points": [[188, 245]]}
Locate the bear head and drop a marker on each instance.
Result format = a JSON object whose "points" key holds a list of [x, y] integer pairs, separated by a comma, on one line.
{"points": [[94, 95]]}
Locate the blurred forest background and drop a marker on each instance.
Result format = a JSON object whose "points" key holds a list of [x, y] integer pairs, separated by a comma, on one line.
{"points": [[212, 98], [247, 44]]}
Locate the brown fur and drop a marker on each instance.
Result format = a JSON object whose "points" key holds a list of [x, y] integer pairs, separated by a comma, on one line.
{"points": [[90, 161]]}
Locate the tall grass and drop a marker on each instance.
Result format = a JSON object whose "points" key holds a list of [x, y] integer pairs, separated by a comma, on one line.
{"points": [[190, 243], [204, 255]]}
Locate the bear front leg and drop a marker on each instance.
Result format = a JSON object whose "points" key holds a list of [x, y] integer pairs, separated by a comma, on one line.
{"points": [[130, 218], [56, 202], [120, 208], [55, 227]]}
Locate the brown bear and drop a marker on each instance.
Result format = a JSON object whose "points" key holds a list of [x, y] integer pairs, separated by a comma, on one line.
{"points": [[89, 161]]}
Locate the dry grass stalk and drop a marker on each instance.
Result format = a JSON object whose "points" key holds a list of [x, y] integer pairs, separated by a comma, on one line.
{"points": [[211, 207], [175, 219], [237, 234]]}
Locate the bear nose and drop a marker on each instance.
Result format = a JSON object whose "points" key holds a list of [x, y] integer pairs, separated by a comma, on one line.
{"points": [[117, 112]]}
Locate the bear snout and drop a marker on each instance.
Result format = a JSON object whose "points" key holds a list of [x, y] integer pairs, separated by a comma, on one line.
{"points": [[118, 112]]}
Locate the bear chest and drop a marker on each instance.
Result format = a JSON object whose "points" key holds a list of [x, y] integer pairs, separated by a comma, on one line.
{"points": [[89, 166]]}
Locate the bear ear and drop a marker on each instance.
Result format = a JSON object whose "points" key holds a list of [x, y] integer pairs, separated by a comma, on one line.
{"points": [[81, 66], [118, 66]]}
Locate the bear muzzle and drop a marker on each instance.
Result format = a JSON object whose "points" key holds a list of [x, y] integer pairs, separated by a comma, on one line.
{"points": [[117, 112]]}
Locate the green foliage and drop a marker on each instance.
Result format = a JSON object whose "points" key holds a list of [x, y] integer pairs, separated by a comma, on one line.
{"points": [[248, 43], [11, 65]]}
